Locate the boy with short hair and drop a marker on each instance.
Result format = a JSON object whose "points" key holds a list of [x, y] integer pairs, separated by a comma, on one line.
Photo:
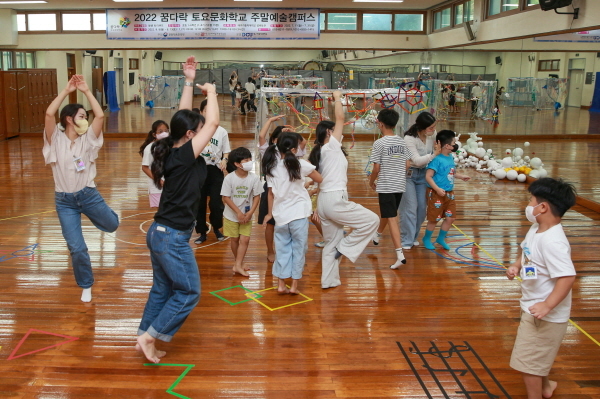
{"points": [[390, 157], [547, 274], [241, 194], [440, 175]]}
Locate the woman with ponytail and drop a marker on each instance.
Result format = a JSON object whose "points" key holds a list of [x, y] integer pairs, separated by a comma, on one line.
{"points": [[333, 207], [176, 281], [71, 148], [290, 206], [420, 140]]}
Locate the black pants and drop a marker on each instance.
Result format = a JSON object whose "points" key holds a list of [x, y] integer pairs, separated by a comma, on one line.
{"points": [[211, 188]]}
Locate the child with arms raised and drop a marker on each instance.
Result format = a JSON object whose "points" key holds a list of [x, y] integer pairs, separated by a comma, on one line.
{"points": [[241, 194]]}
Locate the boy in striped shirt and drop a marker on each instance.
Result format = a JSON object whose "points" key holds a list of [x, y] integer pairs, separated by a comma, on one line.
{"points": [[390, 157]]}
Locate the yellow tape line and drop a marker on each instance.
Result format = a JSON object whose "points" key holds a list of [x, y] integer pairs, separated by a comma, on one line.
{"points": [[495, 260]]}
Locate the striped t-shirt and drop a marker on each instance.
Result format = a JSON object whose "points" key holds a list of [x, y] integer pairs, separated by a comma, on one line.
{"points": [[391, 153]]}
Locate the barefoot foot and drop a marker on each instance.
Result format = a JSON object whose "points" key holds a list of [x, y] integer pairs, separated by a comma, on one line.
{"points": [[271, 257], [283, 291], [294, 292], [145, 344], [240, 271], [547, 391]]}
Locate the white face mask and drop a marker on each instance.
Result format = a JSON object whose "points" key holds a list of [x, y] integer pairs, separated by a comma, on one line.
{"points": [[529, 213], [248, 166], [81, 127], [162, 135], [431, 133]]}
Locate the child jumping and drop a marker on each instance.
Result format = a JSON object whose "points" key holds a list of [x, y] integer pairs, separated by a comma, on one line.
{"points": [[241, 194], [547, 274], [390, 157], [290, 206], [440, 175]]}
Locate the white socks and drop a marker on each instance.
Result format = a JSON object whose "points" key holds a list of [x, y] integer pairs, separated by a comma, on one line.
{"points": [[86, 295], [376, 238], [401, 259]]}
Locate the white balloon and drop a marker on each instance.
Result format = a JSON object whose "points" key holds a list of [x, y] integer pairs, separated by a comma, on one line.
{"points": [[518, 152], [508, 151], [521, 177], [534, 173], [500, 173], [480, 144], [535, 163], [480, 152], [526, 158], [489, 151], [543, 172], [486, 157], [526, 144], [512, 174], [507, 162]]}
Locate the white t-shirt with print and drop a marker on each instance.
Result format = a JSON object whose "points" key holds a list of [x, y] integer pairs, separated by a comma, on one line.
{"points": [[242, 191], [333, 167], [147, 161], [550, 254], [216, 147], [290, 198]]}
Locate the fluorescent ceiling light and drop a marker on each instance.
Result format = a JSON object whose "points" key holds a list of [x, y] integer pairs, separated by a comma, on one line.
{"points": [[378, 1], [257, 0], [135, 1], [23, 2]]}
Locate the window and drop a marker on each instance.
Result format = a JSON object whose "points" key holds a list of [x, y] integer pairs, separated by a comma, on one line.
{"points": [[134, 63], [377, 22], [99, 21], [41, 22], [21, 22], [549, 65], [469, 15], [532, 2], [408, 22], [76, 22], [322, 21], [463, 12], [341, 21], [441, 19]]}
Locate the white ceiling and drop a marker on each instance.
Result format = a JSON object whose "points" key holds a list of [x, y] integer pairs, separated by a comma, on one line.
{"points": [[324, 4]]}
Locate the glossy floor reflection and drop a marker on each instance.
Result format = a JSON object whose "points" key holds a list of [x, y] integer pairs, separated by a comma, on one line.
{"points": [[343, 343]]}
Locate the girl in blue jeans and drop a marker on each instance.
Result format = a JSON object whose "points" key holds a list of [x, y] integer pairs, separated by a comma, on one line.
{"points": [[420, 140], [290, 205], [71, 148], [176, 281]]}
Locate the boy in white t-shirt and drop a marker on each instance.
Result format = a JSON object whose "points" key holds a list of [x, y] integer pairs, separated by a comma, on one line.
{"points": [[547, 274], [241, 194]]}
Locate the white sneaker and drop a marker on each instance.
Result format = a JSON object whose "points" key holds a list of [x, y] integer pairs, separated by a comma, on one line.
{"points": [[376, 238], [407, 247], [416, 243], [401, 260], [320, 244]]}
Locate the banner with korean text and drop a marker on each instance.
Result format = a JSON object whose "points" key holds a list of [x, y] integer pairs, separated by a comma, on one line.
{"points": [[214, 23]]}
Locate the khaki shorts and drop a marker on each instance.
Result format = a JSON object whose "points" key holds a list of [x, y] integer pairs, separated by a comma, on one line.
{"points": [[536, 345], [440, 207], [234, 229]]}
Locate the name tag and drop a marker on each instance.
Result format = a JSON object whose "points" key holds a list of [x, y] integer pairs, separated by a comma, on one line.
{"points": [[530, 273], [79, 164], [160, 228]]}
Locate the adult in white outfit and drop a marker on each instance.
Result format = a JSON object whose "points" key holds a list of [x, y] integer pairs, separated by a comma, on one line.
{"points": [[333, 207], [420, 140]]}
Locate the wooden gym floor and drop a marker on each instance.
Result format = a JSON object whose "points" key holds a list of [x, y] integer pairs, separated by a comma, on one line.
{"points": [[370, 337]]}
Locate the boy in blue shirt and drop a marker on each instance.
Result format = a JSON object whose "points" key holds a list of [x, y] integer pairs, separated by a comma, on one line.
{"points": [[440, 175]]}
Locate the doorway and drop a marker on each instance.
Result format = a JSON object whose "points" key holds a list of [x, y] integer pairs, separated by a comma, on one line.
{"points": [[119, 79], [576, 79], [71, 70], [97, 82]]}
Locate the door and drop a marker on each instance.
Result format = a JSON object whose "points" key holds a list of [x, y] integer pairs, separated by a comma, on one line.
{"points": [[576, 77], [70, 72], [97, 82], [11, 103], [119, 79]]}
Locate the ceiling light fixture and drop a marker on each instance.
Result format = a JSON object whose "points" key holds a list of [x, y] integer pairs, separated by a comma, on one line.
{"points": [[378, 1], [257, 0], [136, 1]]}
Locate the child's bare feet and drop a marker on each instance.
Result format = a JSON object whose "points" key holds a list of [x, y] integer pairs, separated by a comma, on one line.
{"points": [[294, 291], [282, 291], [271, 257], [548, 390], [240, 270], [145, 344], [246, 268]]}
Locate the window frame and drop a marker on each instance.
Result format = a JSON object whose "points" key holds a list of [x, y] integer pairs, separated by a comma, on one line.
{"points": [[453, 23], [521, 8], [551, 69], [359, 19], [134, 64], [59, 21]]}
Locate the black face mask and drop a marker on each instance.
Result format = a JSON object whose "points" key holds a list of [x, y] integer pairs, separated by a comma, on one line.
{"points": [[455, 148]]}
